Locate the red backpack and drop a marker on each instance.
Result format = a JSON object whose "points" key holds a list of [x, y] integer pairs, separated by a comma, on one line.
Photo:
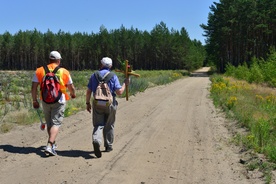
{"points": [[50, 86]]}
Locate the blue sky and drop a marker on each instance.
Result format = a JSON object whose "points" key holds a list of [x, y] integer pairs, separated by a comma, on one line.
{"points": [[89, 15]]}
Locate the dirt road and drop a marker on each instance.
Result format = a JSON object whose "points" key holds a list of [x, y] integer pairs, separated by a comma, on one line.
{"points": [[168, 134]]}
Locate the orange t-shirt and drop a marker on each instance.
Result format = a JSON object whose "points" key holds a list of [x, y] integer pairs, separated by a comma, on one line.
{"points": [[62, 74]]}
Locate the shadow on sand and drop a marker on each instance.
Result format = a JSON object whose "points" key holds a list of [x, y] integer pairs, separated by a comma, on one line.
{"points": [[40, 151]]}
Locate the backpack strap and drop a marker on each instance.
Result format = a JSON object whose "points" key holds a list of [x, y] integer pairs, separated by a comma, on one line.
{"points": [[108, 77], [48, 71], [97, 76], [105, 78], [56, 69]]}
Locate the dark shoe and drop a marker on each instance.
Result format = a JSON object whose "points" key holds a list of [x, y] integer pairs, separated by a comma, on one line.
{"points": [[108, 149], [97, 150]]}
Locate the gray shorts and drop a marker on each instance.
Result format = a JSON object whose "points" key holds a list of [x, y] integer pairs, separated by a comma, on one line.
{"points": [[54, 113]]}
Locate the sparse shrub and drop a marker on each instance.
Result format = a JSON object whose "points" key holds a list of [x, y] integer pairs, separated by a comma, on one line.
{"points": [[261, 71], [5, 127], [256, 74]]}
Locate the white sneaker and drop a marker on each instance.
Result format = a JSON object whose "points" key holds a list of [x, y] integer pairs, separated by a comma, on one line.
{"points": [[54, 146], [50, 151]]}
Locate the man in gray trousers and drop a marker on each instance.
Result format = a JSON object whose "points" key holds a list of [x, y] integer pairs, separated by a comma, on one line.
{"points": [[104, 118]]}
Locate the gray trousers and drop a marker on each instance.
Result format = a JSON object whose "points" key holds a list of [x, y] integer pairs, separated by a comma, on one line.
{"points": [[103, 123]]}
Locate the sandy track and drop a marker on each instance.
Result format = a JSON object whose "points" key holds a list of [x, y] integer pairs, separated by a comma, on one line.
{"points": [[168, 134]]}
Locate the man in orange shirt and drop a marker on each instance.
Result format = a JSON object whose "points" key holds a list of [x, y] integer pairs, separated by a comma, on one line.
{"points": [[53, 112]]}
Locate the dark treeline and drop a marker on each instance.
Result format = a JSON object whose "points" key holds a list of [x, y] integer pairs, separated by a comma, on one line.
{"points": [[158, 49], [239, 30]]}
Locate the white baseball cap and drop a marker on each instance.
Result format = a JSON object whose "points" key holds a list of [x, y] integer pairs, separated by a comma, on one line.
{"points": [[107, 62], [55, 55]]}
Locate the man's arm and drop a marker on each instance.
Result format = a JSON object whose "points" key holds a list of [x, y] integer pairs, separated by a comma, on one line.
{"points": [[122, 89], [34, 94], [72, 90], [88, 96]]}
